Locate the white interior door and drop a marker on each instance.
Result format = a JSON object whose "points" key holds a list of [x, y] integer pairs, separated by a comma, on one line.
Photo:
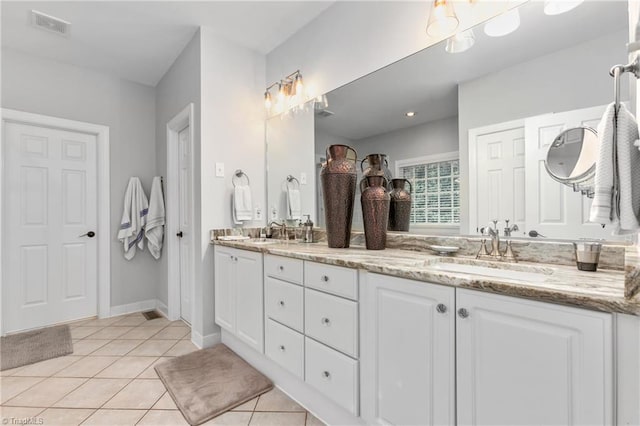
{"points": [[185, 234], [51, 205], [555, 209]]}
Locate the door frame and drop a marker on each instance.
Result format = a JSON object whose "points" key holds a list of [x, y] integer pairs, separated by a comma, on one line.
{"points": [[183, 119], [103, 208]]}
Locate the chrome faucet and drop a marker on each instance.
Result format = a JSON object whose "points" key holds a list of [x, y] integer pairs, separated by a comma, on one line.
{"points": [[282, 226], [494, 233], [509, 229]]}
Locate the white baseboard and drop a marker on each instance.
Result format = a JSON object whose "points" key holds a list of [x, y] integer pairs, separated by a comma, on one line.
{"points": [[130, 308], [314, 401], [205, 341], [162, 308]]}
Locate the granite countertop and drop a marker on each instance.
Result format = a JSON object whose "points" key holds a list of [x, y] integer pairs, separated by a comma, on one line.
{"points": [[603, 290]]}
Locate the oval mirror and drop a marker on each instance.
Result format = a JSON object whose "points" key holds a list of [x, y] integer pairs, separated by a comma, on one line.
{"points": [[571, 158]]}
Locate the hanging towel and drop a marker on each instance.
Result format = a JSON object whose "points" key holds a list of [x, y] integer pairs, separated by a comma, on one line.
{"points": [[154, 233], [134, 218], [616, 198], [293, 203], [242, 208]]}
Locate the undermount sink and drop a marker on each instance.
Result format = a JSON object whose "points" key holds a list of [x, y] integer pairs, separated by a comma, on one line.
{"points": [[503, 270]]}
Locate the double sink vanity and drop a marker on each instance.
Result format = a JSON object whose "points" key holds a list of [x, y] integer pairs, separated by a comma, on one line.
{"points": [[403, 336]]}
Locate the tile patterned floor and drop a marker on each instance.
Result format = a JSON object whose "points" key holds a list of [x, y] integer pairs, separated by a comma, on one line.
{"points": [[109, 380]]}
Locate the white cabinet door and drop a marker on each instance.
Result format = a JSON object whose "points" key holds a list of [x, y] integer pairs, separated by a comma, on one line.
{"points": [[407, 352], [224, 276], [249, 297], [521, 362]]}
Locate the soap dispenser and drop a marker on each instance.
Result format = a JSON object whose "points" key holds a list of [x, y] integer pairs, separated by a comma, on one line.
{"points": [[308, 230]]}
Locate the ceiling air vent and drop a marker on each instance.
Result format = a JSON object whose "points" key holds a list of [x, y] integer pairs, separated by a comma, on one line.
{"points": [[324, 113], [50, 23]]}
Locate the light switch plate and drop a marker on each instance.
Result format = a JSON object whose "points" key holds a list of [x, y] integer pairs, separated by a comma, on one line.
{"points": [[219, 169], [303, 178]]}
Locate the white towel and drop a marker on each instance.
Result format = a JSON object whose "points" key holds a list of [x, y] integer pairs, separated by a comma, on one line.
{"points": [[154, 233], [134, 218], [242, 206], [293, 203], [621, 211]]}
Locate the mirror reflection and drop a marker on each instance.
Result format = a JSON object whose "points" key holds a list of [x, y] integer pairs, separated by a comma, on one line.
{"points": [[572, 156], [470, 130]]}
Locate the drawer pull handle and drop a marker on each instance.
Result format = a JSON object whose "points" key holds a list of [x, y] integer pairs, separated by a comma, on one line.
{"points": [[281, 268], [441, 308], [324, 278], [281, 303], [326, 374], [282, 348], [326, 321], [463, 313]]}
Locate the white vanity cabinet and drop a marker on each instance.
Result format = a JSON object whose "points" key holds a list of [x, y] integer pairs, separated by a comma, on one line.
{"points": [[239, 294], [526, 362], [407, 351]]}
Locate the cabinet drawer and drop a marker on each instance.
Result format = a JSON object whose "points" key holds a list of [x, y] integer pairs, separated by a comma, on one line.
{"points": [[284, 303], [283, 268], [333, 373], [285, 347], [332, 320], [332, 279]]}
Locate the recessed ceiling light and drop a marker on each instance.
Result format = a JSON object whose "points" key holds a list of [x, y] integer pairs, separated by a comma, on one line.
{"points": [[410, 113]]}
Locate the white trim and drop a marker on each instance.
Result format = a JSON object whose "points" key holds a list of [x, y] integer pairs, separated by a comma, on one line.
{"points": [[130, 308], [104, 229], [183, 119], [160, 306], [205, 341], [473, 160]]}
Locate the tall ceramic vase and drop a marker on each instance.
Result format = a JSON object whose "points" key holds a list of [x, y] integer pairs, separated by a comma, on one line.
{"points": [[377, 165], [400, 206], [338, 176], [375, 212]]}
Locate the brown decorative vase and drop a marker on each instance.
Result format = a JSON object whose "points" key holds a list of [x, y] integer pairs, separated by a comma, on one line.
{"points": [[400, 206], [375, 212], [377, 165], [338, 176]]}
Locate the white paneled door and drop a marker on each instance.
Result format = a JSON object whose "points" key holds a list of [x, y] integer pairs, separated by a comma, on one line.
{"points": [[186, 228], [51, 220]]}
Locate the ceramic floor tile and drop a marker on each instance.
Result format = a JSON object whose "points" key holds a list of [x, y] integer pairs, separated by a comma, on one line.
{"points": [[46, 393], [12, 386], [247, 406], [10, 372], [278, 419], [126, 367], [87, 367], [9, 415], [313, 420], [118, 347], [163, 417], [102, 322], [111, 332], [141, 333], [178, 323], [183, 347], [114, 417], [82, 332], [172, 333], [64, 416], [92, 394], [156, 322], [130, 321], [165, 403], [153, 348], [150, 372], [231, 418], [47, 368], [276, 400], [86, 346], [81, 322], [139, 394]]}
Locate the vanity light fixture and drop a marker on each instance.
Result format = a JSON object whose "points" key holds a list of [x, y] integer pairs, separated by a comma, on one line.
{"points": [[290, 93], [410, 114], [503, 24], [556, 7], [442, 20], [461, 41]]}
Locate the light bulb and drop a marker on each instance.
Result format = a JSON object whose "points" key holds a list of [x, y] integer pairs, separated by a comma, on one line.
{"points": [[503, 24], [299, 85], [556, 7], [461, 41], [281, 93], [442, 20], [268, 103]]}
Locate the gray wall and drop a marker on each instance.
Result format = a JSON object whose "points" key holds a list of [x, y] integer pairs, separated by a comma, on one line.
{"points": [[569, 79], [177, 88], [50, 88]]}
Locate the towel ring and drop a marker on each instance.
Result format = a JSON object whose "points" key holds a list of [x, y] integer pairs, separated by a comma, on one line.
{"points": [[237, 177]]}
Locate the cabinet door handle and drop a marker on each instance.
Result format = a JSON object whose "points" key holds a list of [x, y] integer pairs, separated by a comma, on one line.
{"points": [[463, 313], [281, 268], [326, 374], [282, 348], [326, 321], [281, 303], [441, 308], [324, 278]]}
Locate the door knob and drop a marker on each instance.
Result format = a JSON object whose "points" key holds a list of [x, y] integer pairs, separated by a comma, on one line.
{"points": [[463, 313], [89, 234], [179, 234]]}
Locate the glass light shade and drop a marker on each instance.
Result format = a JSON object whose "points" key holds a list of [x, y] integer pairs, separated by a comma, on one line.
{"points": [[268, 103], [321, 102], [461, 41], [556, 7], [503, 24], [442, 20], [298, 85]]}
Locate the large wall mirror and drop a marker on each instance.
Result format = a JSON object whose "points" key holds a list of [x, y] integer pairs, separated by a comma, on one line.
{"points": [[470, 130]]}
